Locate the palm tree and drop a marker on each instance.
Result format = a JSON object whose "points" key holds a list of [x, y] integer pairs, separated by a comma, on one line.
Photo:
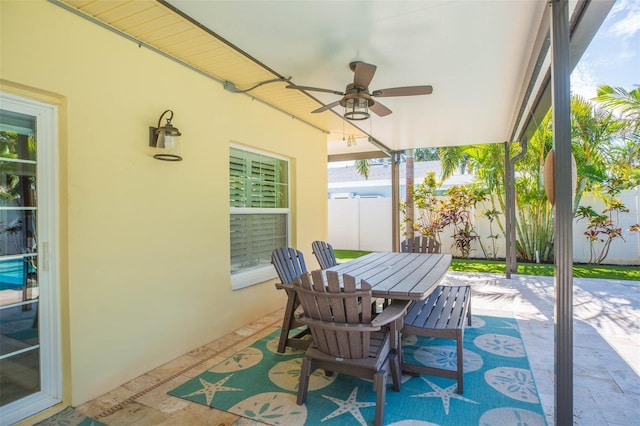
{"points": [[616, 98], [362, 167], [594, 132], [626, 155]]}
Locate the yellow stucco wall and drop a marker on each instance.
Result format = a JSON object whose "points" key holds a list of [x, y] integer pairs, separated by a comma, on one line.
{"points": [[145, 244]]}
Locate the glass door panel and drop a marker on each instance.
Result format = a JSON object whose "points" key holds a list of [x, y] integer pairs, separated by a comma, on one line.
{"points": [[20, 338]]}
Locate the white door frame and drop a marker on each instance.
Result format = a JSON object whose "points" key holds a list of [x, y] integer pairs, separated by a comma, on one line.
{"points": [[46, 116]]}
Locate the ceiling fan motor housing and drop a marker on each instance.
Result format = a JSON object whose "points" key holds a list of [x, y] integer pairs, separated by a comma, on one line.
{"points": [[357, 99], [353, 92]]}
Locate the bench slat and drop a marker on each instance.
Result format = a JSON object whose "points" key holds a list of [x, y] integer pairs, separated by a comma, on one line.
{"points": [[442, 315]]}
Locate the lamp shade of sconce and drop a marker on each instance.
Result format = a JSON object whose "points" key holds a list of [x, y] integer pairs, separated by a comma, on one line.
{"points": [[548, 173], [165, 139]]}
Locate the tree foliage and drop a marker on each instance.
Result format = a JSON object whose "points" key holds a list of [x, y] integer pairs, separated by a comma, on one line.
{"points": [[606, 147]]}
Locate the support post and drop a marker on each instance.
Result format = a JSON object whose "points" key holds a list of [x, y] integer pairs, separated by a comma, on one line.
{"points": [[510, 206], [395, 200], [563, 237], [410, 209], [509, 212]]}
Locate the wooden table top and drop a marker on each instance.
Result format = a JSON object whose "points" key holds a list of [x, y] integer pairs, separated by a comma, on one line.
{"points": [[406, 276]]}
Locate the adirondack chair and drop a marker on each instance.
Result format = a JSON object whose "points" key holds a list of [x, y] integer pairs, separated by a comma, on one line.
{"points": [[324, 253], [420, 244], [289, 264], [346, 338]]}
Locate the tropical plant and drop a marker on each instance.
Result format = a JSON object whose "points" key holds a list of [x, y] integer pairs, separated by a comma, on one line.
{"points": [[491, 215], [363, 167], [533, 219], [625, 152], [435, 213], [593, 132], [17, 188], [603, 227], [627, 103], [534, 213], [426, 154], [456, 212], [428, 208]]}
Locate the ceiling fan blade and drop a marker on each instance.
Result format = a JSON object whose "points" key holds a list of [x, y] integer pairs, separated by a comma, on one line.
{"points": [[380, 109], [326, 107], [363, 73], [314, 89], [403, 91]]}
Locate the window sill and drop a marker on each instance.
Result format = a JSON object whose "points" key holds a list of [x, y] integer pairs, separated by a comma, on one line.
{"points": [[253, 276]]}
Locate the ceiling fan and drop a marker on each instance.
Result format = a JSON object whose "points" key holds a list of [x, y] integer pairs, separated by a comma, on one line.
{"points": [[357, 99]]}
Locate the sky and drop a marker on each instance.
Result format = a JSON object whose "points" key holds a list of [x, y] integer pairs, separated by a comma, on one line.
{"points": [[613, 56]]}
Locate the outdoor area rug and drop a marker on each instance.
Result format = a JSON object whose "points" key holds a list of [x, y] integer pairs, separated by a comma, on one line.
{"points": [[261, 384], [69, 417]]}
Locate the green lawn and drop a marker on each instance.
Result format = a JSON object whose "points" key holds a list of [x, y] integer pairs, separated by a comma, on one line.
{"points": [[473, 265]]}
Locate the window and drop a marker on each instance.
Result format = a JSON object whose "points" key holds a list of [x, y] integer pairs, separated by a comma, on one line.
{"points": [[259, 207]]}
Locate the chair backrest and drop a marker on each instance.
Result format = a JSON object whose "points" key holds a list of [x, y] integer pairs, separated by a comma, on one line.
{"points": [[420, 244], [289, 264], [334, 312], [324, 254]]}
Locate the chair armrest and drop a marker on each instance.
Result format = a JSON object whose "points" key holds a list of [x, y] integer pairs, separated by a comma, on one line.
{"points": [[282, 286], [397, 309], [338, 326]]}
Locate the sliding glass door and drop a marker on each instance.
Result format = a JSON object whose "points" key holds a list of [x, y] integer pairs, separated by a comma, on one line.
{"points": [[29, 336]]}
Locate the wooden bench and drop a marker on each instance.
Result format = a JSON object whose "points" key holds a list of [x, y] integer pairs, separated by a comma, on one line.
{"points": [[441, 315]]}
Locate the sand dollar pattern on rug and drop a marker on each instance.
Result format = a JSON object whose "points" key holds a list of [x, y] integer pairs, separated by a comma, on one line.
{"points": [[446, 357], [272, 407], [515, 383], [286, 375], [245, 358], [500, 344], [260, 384], [511, 416]]}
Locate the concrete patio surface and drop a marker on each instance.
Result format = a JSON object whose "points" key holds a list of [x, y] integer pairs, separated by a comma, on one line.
{"points": [[606, 339]]}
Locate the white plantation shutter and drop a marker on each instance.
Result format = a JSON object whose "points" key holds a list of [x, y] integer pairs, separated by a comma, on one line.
{"points": [[259, 203]]}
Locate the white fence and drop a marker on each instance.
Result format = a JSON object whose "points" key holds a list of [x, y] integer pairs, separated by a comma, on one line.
{"points": [[365, 224]]}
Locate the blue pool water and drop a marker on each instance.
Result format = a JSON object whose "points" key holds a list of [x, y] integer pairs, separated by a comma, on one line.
{"points": [[11, 274]]}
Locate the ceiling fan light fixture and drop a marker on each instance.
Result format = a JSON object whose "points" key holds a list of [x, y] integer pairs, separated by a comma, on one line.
{"points": [[356, 108]]}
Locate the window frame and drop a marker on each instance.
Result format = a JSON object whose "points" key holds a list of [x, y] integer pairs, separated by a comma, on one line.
{"points": [[259, 274]]}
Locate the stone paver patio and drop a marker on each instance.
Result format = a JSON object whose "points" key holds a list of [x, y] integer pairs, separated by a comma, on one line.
{"points": [[606, 354]]}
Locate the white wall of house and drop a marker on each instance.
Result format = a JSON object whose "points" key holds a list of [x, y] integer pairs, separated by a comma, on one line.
{"points": [[365, 224]]}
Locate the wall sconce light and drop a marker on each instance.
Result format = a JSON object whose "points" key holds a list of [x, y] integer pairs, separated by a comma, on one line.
{"points": [[165, 139]]}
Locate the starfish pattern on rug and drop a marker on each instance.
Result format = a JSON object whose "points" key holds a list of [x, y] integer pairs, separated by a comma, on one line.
{"points": [[446, 394], [209, 389], [350, 405], [500, 387]]}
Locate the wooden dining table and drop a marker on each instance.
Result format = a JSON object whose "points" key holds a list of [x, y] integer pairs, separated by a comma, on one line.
{"points": [[398, 276]]}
